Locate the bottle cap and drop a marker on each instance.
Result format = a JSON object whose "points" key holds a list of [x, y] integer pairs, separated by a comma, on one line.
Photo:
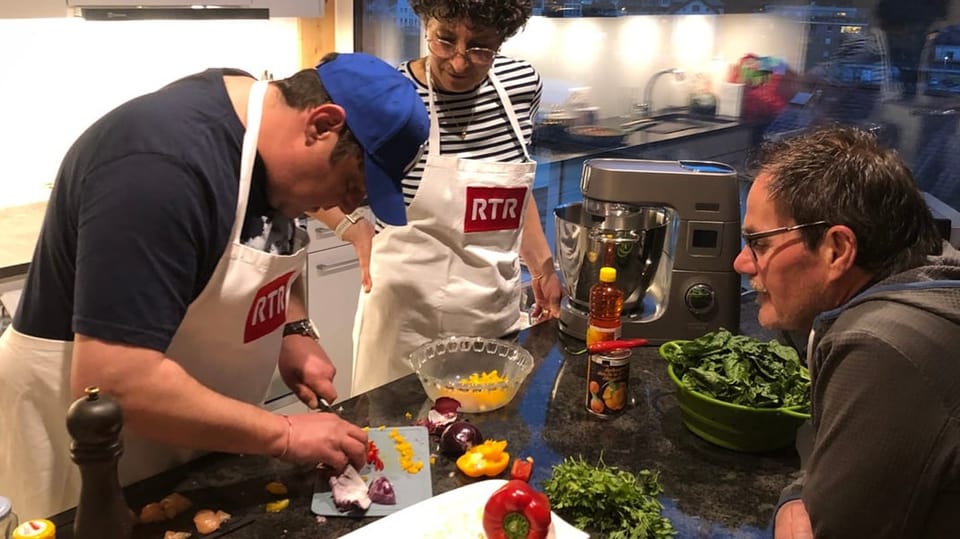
{"points": [[5, 506], [608, 274], [38, 528]]}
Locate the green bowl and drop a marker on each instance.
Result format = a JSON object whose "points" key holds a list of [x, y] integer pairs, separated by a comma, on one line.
{"points": [[734, 426]]}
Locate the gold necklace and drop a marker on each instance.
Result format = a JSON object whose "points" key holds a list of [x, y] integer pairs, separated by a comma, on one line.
{"points": [[465, 127], [461, 127]]}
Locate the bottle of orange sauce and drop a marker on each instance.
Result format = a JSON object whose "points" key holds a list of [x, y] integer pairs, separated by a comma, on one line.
{"points": [[606, 304]]}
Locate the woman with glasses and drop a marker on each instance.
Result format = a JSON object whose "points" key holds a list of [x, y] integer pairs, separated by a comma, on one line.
{"points": [[454, 268]]}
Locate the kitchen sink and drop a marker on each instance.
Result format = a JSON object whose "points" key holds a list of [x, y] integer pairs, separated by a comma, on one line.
{"points": [[674, 122]]}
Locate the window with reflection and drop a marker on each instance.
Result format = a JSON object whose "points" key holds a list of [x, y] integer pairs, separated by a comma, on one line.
{"points": [[777, 67]]}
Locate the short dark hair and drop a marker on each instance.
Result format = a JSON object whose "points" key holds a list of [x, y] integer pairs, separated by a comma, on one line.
{"points": [[303, 90], [507, 17], [843, 175]]}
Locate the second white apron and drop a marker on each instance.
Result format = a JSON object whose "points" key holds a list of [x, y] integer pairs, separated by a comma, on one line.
{"points": [[454, 268]]}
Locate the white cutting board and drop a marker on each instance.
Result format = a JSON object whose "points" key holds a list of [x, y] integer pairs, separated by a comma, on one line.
{"points": [[410, 488], [456, 514]]}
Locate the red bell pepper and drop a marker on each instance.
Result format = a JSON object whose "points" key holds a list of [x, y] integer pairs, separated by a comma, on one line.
{"points": [[522, 469], [373, 456], [516, 511]]}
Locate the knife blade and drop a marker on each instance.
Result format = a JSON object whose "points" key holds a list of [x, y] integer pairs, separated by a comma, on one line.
{"points": [[231, 526]]}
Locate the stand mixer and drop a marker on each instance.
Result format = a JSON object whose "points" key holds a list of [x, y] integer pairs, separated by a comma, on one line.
{"points": [[672, 231]]}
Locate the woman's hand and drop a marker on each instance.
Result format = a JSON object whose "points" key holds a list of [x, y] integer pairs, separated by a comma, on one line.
{"points": [[360, 234], [547, 292]]}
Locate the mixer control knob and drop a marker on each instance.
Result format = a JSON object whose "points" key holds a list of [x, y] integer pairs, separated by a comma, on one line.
{"points": [[700, 298]]}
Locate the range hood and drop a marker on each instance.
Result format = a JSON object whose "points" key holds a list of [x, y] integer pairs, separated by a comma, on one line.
{"points": [[133, 10]]}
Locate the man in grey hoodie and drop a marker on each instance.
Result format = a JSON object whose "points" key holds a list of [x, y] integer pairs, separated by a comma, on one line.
{"points": [[839, 242]]}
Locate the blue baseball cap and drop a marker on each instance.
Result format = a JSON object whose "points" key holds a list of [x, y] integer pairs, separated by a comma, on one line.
{"points": [[388, 119]]}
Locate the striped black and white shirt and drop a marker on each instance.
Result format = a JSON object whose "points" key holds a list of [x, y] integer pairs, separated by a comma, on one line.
{"points": [[474, 124]]}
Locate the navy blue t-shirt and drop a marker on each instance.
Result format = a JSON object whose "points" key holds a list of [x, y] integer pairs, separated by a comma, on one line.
{"points": [[141, 213]]}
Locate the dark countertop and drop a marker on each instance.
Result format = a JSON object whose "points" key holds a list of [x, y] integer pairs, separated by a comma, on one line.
{"points": [[709, 491], [552, 147]]}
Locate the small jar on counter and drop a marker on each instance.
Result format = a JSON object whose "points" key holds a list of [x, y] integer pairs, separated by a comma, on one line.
{"points": [[39, 528]]}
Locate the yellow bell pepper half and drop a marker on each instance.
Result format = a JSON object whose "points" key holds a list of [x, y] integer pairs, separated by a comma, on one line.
{"points": [[488, 458]]}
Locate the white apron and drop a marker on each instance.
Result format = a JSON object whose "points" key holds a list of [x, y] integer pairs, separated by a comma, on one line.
{"points": [[454, 267], [229, 340]]}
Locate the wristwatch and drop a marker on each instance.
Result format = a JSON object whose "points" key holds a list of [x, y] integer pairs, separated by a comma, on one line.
{"points": [[348, 220], [301, 327]]}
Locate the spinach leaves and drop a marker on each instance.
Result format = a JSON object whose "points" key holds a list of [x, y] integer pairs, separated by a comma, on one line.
{"points": [[741, 370]]}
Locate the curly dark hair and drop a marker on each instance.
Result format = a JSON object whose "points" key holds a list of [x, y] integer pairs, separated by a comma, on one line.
{"points": [[844, 176], [507, 17]]}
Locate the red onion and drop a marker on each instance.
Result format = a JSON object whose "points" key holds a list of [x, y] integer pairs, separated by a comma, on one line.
{"points": [[458, 437], [381, 491]]}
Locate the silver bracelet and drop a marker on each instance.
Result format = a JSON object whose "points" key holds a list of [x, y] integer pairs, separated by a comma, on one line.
{"points": [[347, 221]]}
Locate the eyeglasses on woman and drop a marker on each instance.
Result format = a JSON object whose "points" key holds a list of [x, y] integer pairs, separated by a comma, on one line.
{"points": [[445, 49]]}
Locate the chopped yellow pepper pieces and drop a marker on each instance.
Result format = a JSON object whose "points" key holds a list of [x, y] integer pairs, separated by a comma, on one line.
{"points": [[277, 506], [406, 452]]}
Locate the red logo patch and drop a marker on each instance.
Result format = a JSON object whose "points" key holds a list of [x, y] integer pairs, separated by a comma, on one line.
{"points": [[268, 310], [493, 208]]}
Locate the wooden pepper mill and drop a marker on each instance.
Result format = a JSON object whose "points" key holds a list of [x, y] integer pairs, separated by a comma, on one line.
{"points": [[94, 423]]}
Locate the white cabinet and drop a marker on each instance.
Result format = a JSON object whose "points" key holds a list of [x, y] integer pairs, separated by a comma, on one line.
{"points": [[333, 288]]}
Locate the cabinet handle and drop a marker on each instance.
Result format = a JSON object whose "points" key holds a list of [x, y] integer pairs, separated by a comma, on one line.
{"points": [[323, 232], [323, 269]]}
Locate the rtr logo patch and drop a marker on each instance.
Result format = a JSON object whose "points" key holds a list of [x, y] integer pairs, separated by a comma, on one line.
{"points": [[268, 310], [493, 208]]}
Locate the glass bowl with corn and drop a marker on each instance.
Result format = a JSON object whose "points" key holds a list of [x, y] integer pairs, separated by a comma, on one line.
{"points": [[481, 374]]}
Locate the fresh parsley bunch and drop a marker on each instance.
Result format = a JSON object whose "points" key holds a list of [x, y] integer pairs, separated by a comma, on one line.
{"points": [[604, 499], [741, 370]]}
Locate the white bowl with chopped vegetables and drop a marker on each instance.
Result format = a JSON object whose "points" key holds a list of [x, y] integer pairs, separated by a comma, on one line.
{"points": [[738, 392], [481, 374]]}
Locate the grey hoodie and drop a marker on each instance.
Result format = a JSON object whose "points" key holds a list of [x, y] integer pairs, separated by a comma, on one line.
{"points": [[885, 372]]}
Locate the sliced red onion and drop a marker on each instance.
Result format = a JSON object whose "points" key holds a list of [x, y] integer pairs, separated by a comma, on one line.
{"points": [[446, 405], [349, 490], [381, 491], [443, 413]]}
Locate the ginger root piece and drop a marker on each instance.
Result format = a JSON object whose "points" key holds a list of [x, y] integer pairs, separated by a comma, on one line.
{"points": [[174, 504], [152, 512], [208, 521]]}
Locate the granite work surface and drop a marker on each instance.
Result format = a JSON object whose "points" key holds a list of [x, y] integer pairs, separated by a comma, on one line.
{"points": [[549, 148], [21, 228], [709, 491]]}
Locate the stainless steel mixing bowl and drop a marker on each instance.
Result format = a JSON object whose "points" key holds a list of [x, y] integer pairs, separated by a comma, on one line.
{"points": [[628, 238]]}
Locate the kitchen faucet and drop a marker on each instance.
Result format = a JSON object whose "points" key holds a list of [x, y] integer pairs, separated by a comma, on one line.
{"points": [[645, 107]]}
